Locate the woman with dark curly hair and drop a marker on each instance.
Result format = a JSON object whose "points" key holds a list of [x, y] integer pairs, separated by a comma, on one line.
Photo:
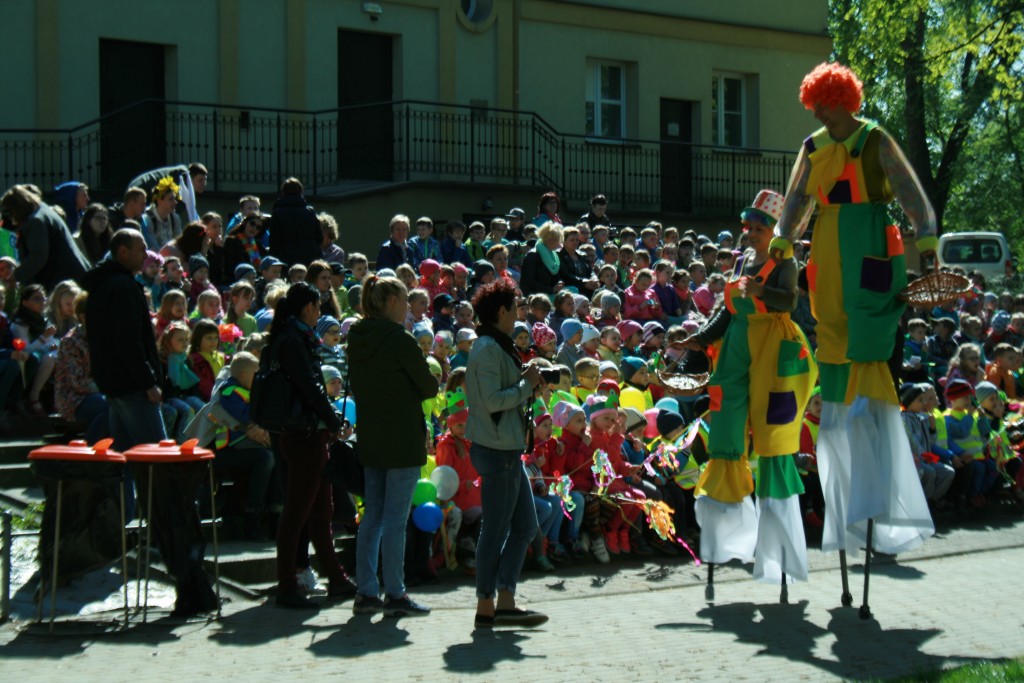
{"points": [[497, 392]]}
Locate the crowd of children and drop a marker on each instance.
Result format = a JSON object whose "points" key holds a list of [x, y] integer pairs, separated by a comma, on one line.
{"points": [[609, 437]]}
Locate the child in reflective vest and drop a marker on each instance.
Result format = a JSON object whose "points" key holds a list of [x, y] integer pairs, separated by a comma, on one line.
{"points": [[936, 476], [964, 429]]}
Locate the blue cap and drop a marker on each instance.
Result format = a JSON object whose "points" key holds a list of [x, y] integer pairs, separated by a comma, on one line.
{"points": [[270, 261], [570, 328]]}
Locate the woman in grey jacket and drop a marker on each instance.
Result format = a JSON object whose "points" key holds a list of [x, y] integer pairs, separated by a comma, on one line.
{"points": [[497, 390]]}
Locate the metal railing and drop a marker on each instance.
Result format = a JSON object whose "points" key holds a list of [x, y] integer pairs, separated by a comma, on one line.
{"points": [[252, 149]]}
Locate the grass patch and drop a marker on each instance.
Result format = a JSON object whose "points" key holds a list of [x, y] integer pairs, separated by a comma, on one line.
{"points": [[982, 672], [30, 519]]}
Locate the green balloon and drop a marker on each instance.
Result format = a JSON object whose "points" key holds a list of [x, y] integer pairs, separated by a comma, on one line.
{"points": [[425, 492]]}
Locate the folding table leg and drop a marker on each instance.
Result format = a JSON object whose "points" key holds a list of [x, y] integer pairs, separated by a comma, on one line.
{"points": [[56, 553], [149, 540], [216, 547], [124, 558]]}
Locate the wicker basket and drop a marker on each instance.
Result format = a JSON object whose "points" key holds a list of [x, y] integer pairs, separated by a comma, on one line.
{"points": [[683, 383], [936, 289]]}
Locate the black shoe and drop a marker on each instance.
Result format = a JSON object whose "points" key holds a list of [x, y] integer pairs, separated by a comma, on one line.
{"points": [[294, 600], [404, 607], [483, 621], [341, 590], [519, 617], [366, 604]]}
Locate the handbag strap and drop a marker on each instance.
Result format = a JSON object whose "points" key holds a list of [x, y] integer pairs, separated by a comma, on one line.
{"points": [[344, 400]]}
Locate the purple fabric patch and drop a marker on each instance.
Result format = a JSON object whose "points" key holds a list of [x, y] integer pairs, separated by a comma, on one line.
{"points": [[781, 407], [875, 274]]}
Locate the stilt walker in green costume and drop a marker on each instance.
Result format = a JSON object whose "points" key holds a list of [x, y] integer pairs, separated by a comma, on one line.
{"points": [[763, 377], [850, 171]]}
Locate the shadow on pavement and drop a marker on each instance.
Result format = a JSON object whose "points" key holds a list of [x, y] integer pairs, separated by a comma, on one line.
{"points": [[862, 648], [360, 636], [71, 637], [486, 649], [262, 624]]}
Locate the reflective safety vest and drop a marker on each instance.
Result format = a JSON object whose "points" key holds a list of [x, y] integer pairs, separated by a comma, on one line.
{"points": [[941, 437], [223, 438], [973, 445]]}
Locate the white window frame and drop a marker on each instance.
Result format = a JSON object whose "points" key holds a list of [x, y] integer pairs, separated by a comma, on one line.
{"points": [[593, 96], [718, 116]]}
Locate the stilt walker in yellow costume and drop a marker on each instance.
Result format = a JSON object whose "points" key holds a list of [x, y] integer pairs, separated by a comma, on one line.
{"points": [[850, 170], [763, 377]]}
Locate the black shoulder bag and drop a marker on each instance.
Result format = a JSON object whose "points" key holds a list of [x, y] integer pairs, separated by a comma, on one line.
{"points": [[273, 403]]}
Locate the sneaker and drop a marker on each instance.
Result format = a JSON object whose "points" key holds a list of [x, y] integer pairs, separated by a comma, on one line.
{"points": [[366, 604], [624, 544], [404, 607], [295, 600], [308, 581], [600, 552], [579, 549], [559, 555], [611, 542]]}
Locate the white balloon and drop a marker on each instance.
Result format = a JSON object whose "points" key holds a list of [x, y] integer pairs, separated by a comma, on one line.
{"points": [[446, 480]]}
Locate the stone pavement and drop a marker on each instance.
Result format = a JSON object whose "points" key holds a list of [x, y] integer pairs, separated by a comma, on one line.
{"points": [[942, 605]]}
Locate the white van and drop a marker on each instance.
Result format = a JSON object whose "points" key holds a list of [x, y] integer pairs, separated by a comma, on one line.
{"points": [[986, 252]]}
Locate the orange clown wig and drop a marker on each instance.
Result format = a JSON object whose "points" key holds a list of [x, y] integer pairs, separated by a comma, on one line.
{"points": [[832, 85]]}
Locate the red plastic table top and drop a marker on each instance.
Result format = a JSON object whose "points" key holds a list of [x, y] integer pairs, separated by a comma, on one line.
{"points": [[79, 451], [167, 451]]}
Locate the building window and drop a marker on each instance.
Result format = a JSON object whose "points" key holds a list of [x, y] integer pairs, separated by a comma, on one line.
{"points": [[606, 99], [728, 110]]}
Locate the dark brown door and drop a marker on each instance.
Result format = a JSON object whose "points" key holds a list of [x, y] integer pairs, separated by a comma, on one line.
{"points": [[676, 156], [131, 141], [365, 119]]}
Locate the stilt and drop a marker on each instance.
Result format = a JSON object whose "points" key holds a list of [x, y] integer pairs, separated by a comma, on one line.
{"points": [[865, 611], [784, 594], [847, 597], [709, 590]]}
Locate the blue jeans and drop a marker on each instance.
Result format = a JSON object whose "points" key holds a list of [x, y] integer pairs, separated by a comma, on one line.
{"points": [[509, 520], [178, 412], [134, 420], [382, 530], [95, 413]]}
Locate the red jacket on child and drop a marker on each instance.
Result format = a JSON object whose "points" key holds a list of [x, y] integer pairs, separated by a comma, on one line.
{"points": [[454, 452], [575, 461]]}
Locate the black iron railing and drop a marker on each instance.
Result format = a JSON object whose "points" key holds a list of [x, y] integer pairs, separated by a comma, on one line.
{"points": [[252, 149]]}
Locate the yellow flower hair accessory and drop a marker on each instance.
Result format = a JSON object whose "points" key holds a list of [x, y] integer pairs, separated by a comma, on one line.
{"points": [[166, 185]]}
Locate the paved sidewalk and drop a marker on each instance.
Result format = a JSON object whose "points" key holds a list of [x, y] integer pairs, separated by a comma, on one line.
{"points": [[930, 611]]}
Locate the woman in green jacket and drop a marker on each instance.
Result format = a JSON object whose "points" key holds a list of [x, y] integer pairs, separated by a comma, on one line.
{"points": [[389, 379]]}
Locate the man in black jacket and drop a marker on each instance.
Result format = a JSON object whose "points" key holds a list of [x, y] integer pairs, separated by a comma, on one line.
{"points": [[126, 368], [122, 348], [295, 232]]}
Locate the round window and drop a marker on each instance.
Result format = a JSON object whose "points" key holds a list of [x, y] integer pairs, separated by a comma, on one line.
{"points": [[477, 11]]}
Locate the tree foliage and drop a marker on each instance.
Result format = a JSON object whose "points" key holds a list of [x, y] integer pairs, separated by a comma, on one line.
{"points": [[946, 77]]}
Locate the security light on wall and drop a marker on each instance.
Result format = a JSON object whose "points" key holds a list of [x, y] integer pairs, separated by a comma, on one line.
{"points": [[373, 9]]}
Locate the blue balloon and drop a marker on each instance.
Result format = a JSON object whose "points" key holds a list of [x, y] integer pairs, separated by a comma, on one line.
{"points": [[349, 410], [427, 517]]}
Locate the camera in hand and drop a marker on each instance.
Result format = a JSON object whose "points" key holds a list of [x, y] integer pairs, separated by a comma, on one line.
{"points": [[551, 375]]}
